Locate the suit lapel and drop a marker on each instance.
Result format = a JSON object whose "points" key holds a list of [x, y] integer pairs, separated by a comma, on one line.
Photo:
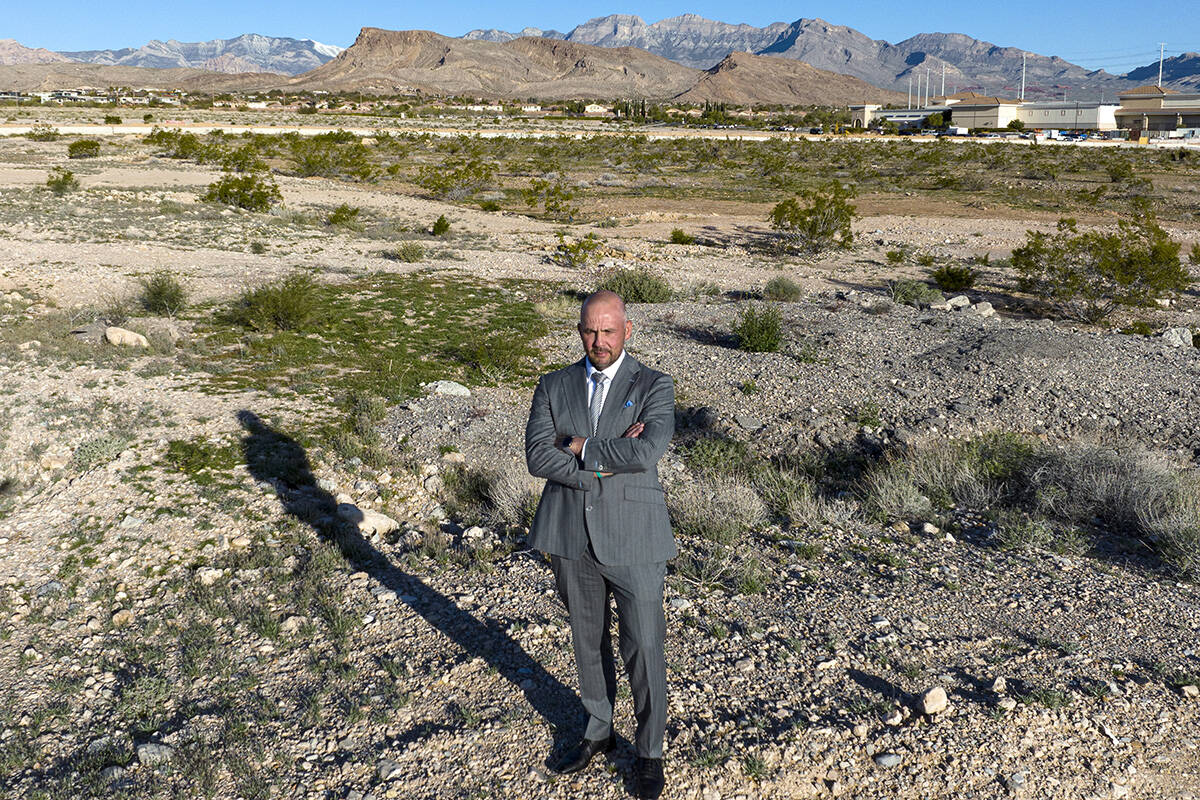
{"points": [[618, 393], [576, 390]]}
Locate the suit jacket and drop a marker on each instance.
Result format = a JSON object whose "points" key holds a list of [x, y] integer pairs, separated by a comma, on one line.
{"points": [[624, 515]]}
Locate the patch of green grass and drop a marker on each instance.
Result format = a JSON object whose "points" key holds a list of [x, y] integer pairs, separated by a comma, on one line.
{"points": [[354, 341], [200, 459]]}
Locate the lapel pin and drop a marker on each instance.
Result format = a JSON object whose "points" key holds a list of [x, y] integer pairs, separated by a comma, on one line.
{"points": [[628, 403]]}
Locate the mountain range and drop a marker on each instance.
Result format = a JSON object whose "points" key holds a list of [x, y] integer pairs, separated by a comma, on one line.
{"points": [[968, 63], [620, 55]]}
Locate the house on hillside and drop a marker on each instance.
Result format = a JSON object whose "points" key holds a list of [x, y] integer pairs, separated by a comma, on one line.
{"points": [[596, 110]]}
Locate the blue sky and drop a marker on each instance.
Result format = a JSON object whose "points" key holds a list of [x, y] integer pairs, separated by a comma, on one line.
{"points": [[1093, 33]]}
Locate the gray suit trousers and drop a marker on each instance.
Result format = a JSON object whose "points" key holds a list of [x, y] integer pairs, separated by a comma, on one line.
{"points": [[585, 585]]}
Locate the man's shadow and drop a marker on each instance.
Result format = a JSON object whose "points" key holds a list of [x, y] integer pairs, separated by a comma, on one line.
{"points": [[278, 459]]}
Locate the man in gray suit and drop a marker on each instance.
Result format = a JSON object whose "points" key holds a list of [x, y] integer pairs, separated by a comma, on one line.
{"points": [[596, 432]]}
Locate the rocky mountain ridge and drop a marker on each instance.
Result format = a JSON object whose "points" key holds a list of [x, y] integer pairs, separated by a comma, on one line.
{"points": [[968, 63]]}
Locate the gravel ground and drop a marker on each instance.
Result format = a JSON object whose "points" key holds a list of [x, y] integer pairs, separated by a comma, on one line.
{"points": [[175, 633]]}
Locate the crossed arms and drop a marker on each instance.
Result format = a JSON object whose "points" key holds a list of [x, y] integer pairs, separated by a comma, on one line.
{"points": [[637, 450]]}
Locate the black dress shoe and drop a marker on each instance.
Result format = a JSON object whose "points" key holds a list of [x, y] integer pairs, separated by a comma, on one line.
{"points": [[650, 779], [582, 754]]}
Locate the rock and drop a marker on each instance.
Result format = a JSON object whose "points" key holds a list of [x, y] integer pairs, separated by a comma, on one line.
{"points": [[929, 529], [680, 603], [959, 302], [369, 523], [209, 575], [880, 622], [93, 333], [894, 718], [451, 388], [828, 664], [387, 769], [112, 773], [860, 731], [292, 624], [747, 423], [150, 754], [942, 306], [49, 589], [122, 618], [981, 310], [239, 542], [745, 665], [887, 760], [454, 457], [999, 686], [1177, 337], [934, 701], [1007, 704], [1191, 690], [124, 338]]}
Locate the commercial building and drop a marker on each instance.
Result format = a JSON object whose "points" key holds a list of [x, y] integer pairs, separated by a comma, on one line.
{"points": [[1153, 108]]}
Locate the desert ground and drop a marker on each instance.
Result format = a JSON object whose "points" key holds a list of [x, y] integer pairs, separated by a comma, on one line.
{"points": [[274, 547]]}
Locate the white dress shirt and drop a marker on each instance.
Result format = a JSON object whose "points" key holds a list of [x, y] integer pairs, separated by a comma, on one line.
{"points": [[611, 372]]}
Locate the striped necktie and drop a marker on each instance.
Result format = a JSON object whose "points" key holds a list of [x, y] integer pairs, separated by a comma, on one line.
{"points": [[597, 404]]}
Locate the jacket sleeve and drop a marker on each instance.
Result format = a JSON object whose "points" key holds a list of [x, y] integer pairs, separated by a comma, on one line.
{"points": [[542, 457], [640, 454]]}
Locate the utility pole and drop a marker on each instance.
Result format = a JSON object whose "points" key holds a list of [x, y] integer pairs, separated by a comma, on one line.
{"points": [[910, 90], [1023, 77], [918, 105], [943, 80], [927, 87], [1161, 46]]}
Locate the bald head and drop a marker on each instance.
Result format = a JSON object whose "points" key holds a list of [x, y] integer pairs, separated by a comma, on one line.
{"points": [[603, 299], [604, 328]]}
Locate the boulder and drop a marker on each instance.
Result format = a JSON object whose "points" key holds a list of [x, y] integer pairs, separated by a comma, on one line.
{"points": [[369, 523], [452, 388], [123, 338], [959, 302], [1177, 337], [934, 701]]}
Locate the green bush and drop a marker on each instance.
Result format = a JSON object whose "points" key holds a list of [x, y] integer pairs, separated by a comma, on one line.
{"points": [[243, 159], [344, 215], [759, 330], [896, 257], [638, 285], [782, 288], [577, 254], [554, 196], [84, 148], [41, 132], [1194, 255], [926, 259], [284, 306], [112, 119], [489, 205], [457, 178], [441, 226], [163, 294], [954, 278], [249, 191], [679, 236], [61, 180], [910, 292], [339, 154], [407, 252], [178, 144], [1087, 275], [816, 220]]}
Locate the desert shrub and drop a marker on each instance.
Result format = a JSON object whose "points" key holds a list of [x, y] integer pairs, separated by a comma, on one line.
{"points": [[457, 178], [954, 278], [406, 252], [816, 220], [178, 144], [1120, 171], [162, 293], [909, 292], [782, 288], [679, 236], [1194, 255], [249, 191], [42, 132], [344, 215], [1139, 327], [61, 180], [339, 154], [1087, 275], [84, 148], [112, 119], [489, 205], [896, 257], [99, 450], [637, 285], [441, 226], [719, 455], [926, 259], [717, 508], [287, 305], [759, 330], [579, 253], [258, 248], [242, 159], [554, 196]]}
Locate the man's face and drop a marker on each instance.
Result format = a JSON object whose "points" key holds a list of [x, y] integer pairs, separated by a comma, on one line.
{"points": [[604, 329]]}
